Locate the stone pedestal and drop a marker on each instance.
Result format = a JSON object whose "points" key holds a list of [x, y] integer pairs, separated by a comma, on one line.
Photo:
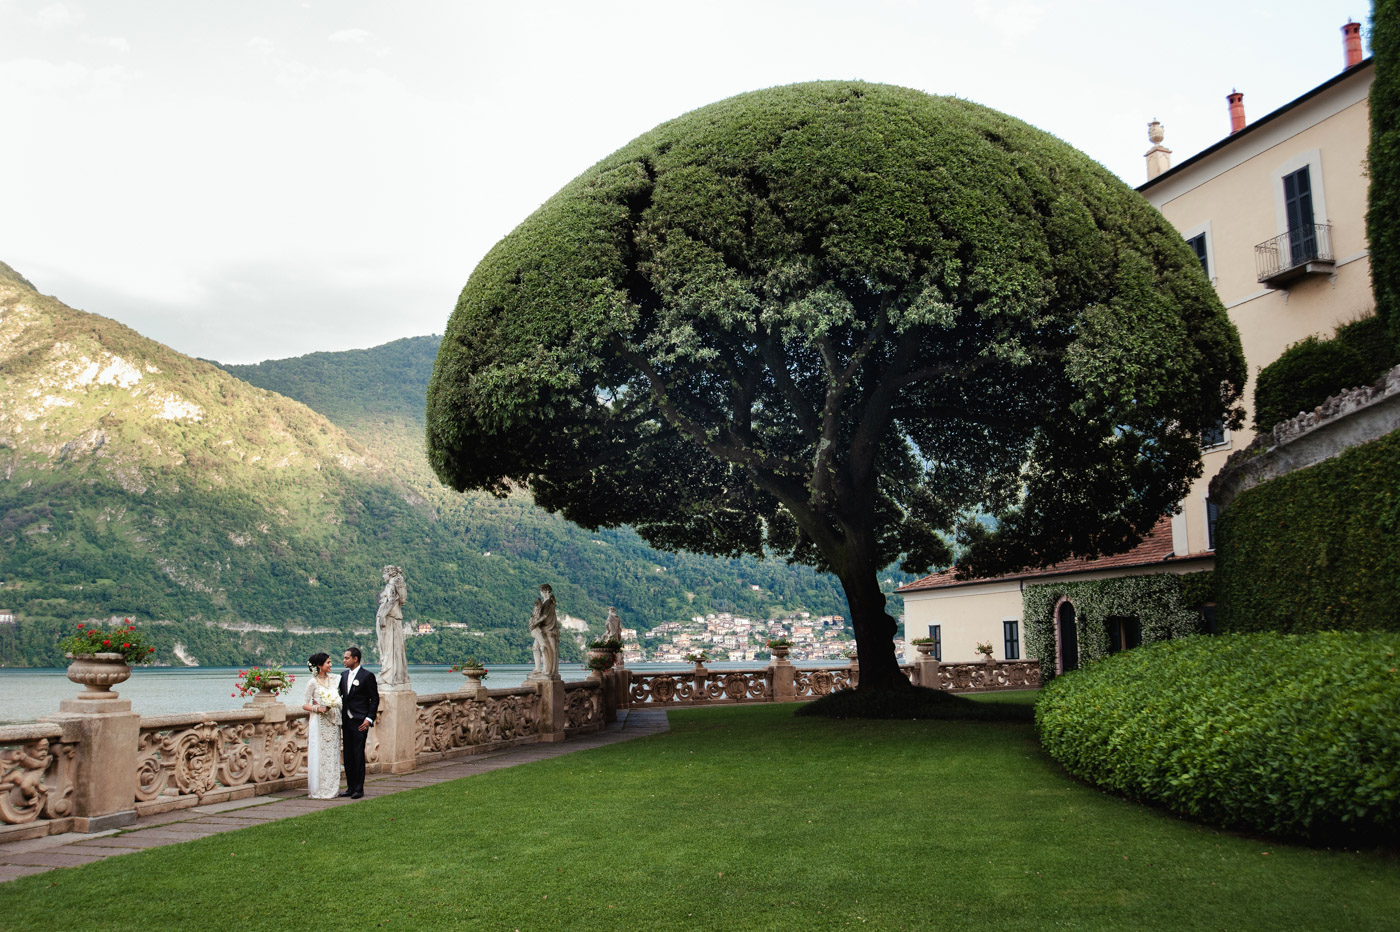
{"points": [[782, 678], [396, 727], [554, 715], [104, 776], [926, 670]]}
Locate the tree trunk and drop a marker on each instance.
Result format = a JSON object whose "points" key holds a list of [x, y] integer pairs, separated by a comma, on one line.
{"points": [[875, 631]]}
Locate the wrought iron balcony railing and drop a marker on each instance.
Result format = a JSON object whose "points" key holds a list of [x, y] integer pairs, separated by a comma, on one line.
{"points": [[1301, 251]]}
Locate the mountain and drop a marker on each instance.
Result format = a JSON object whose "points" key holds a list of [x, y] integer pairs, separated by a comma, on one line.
{"points": [[136, 481]]}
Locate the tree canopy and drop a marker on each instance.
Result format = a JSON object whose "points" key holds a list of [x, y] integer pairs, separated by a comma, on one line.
{"points": [[848, 323]]}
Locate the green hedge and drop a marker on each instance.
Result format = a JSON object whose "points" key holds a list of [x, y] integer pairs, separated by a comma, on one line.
{"points": [[1302, 378], [1383, 163], [1291, 734], [1317, 549]]}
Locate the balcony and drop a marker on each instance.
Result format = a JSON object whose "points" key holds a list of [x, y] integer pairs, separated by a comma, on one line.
{"points": [[1306, 250]]}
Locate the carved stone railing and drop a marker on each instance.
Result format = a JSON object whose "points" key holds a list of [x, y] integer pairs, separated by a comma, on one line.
{"points": [[1002, 674], [186, 760], [37, 766], [457, 723], [813, 684], [979, 676], [583, 706], [703, 687]]}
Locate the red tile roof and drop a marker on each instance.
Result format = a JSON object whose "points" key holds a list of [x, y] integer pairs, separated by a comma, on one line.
{"points": [[1155, 548]]}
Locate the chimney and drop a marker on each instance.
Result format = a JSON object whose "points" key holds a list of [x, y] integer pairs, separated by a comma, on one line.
{"points": [[1351, 43], [1236, 100], [1159, 157]]}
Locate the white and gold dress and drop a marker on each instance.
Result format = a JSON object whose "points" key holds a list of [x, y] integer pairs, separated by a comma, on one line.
{"points": [[322, 745]]}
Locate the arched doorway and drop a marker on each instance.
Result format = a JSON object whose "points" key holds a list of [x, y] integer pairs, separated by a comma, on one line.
{"points": [[1066, 637]]}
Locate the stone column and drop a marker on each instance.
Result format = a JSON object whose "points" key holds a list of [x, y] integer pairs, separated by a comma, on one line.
{"points": [[396, 727], [926, 671], [554, 714], [104, 774], [608, 685], [782, 680]]}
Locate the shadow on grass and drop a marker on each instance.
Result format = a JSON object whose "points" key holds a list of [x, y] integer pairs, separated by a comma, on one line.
{"points": [[914, 703]]}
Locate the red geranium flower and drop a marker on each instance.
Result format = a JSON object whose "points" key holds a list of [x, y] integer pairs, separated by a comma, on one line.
{"points": [[126, 645], [106, 643], [79, 626]]}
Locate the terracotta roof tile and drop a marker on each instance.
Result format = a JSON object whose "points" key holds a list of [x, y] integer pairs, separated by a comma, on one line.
{"points": [[1156, 547]]}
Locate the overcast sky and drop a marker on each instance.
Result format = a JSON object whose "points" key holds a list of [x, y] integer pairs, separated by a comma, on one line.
{"points": [[254, 179]]}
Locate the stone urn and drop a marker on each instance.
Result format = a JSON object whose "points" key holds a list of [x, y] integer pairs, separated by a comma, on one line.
{"points": [[98, 673], [780, 653], [473, 675], [925, 650], [601, 659], [267, 692]]}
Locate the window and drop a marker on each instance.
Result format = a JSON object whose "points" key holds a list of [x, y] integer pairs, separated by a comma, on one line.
{"points": [[1298, 207], [1010, 632], [1212, 513], [1124, 633], [1198, 243], [1214, 436], [935, 632]]}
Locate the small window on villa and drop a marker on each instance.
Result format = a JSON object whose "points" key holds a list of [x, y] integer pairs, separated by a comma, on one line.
{"points": [[1198, 243], [1212, 513], [1214, 436], [1010, 631], [935, 632]]}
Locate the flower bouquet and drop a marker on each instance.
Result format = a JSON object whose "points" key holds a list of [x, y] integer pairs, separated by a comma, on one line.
{"points": [[121, 639], [328, 697]]}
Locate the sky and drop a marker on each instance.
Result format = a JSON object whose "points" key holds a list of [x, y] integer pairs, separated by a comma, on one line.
{"points": [[262, 179]]}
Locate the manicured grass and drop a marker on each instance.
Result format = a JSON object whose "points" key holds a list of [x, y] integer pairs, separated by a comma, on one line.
{"points": [[740, 818]]}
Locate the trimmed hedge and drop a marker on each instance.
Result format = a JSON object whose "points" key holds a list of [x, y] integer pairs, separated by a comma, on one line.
{"points": [[1306, 375], [1317, 549], [1295, 735], [1312, 370], [1383, 163]]}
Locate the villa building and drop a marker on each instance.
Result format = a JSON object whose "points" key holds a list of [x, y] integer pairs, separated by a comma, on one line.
{"points": [[1276, 213]]}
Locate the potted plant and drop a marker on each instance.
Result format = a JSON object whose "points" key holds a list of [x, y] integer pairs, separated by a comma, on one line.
{"points": [[699, 660], [103, 657], [985, 649], [779, 647], [262, 683], [924, 646], [473, 670], [600, 661]]}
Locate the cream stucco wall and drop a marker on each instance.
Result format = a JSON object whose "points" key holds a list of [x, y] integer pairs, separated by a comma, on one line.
{"points": [[1235, 197]]}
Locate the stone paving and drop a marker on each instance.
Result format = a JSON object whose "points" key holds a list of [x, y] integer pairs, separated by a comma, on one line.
{"points": [[37, 855]]}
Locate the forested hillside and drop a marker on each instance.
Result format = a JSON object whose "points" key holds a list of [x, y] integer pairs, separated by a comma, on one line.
{"points": [[135, 481]]}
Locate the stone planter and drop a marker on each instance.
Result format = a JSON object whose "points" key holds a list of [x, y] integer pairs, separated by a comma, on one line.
{"points": [[98, 673], [780, 654], [473, 675], [925, 649], [267, 693]]}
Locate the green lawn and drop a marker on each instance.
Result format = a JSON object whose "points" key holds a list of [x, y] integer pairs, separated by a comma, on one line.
{"points": [[740, 818]]}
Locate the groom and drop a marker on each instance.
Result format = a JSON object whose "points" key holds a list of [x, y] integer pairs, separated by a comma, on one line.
{"points": [[359, 704]]}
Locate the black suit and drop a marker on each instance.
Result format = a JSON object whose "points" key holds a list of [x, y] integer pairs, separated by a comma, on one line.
{"points": [[356, 705]]}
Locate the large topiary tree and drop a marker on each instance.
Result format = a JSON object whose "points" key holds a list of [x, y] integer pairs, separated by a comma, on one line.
{"points": [[847, 323]]}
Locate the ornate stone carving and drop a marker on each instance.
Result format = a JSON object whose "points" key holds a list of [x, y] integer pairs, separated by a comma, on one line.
{"points": [[544, 628], [195, 759], [449, 721], [583, 705]]}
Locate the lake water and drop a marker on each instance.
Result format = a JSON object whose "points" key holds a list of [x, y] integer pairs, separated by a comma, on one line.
{"points": [[27, 695]]}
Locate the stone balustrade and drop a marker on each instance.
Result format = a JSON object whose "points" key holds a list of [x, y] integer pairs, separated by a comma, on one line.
{"points": [[97, 765]]}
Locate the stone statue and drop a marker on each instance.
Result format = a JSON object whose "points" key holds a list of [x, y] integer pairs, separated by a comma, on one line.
{"points": [[393, 664], [544, 626], [612, 628]]}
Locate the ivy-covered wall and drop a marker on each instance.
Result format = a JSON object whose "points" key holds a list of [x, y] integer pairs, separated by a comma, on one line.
{"points": [[1166, 606], [1317, 549]]}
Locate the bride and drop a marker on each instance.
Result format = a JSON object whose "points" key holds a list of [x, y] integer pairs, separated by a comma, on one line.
{"points": [[322, 700]]}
